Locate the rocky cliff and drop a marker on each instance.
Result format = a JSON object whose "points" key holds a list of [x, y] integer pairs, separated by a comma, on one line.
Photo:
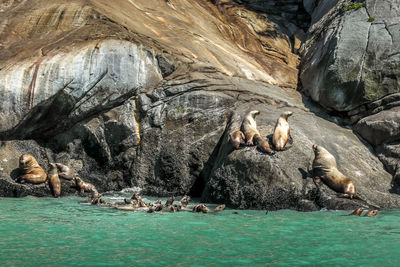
{"points": [[145, 93]]}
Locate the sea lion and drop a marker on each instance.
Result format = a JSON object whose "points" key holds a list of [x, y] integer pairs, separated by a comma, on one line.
{"points": [[237, 139], [54, 180], [178, 207], [170, 201], [65, 172], [83, 186], [356, 212], [129, 201], [325, 167], [371, 213], [172, 208], [31, 171], [185, 201], [282, 131], [252, 135], [200, 208], [220, 208], [139, 200]]}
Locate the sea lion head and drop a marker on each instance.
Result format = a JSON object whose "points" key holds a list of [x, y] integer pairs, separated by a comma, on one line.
{"points": [[357, 212], [78, 180], [371, 213], [53, 169], [26, 161], [318, 149], [286, 114], [254, 113]]}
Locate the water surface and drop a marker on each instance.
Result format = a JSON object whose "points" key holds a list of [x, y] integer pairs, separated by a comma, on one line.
{"points": [[48, 232]]}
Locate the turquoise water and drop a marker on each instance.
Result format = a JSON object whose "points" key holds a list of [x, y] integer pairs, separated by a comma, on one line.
{"points": [[49, 232]]}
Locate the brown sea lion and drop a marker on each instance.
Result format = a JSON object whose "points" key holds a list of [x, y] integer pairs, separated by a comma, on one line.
{"points": [[83, 186], [178, 207], [31, 171], [220, 208], [356, 212], [252, 136], [170, 201], [325, 167], [54, 180], [139, 200], [172, 208], [282, 131], [200, 208], [185, 201], [65, 172], [371, 213], [237, 139]]}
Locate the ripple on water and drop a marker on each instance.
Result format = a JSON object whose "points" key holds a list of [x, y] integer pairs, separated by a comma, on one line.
{"points": [[43, 231]]}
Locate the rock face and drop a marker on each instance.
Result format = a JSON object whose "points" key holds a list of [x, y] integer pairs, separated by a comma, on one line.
{"points": [[352, 57], [351, 64], [144, 94]]}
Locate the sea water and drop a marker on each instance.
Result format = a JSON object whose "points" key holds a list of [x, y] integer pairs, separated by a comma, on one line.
{"points": [[62, 232]]}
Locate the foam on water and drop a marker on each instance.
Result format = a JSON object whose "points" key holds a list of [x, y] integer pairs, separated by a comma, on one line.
{"points": [[46, 231]]}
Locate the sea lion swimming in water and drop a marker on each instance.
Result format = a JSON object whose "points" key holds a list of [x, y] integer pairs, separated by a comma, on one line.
{"points": [[371, 213], [65, 172], [31, 170], [220, 208], [237, 139], [54, 180], [356, 212], [252, 135], [200, 208], [282, 131], [170, 201], [325, 167], [185, 201]]}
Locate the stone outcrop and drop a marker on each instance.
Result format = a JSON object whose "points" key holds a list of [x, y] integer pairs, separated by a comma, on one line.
{"points": [[352, 57], [143, 94], [351, 65]]}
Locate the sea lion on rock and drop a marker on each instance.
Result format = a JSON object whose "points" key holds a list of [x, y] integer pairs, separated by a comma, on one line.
{"points": [[356, 212], [83, 186], [65, 172], [371, 213], [252, 135], [325, 167], [237, 139], [54, 180], [200, 208], [282, 131], [31, 171]]}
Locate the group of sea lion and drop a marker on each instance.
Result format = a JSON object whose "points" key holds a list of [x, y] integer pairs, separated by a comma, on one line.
{"points": [[357, 212], [248, 134], [33, 173], [324, 165], [136, 203]]}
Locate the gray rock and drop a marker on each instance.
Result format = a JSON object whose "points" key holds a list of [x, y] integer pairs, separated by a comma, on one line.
{"points": [[247, 178], [383, 127], [347, 60]]}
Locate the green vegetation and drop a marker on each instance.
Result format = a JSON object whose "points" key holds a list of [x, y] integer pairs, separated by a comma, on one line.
{"points": [[353, 6], [371, 19]]}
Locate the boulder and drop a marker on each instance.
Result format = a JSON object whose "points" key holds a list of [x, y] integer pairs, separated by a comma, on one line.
{"points": [[352, 57]]}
